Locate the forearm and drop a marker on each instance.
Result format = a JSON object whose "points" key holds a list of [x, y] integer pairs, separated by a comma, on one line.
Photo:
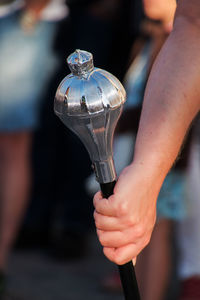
{"points": [[125, 220], [172, 98]]}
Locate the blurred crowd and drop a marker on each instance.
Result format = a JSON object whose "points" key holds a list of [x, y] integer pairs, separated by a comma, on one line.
{"points": [[46, 180]]}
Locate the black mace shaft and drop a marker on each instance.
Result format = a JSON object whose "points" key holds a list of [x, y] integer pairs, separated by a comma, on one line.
{"points": [[126, 271]]}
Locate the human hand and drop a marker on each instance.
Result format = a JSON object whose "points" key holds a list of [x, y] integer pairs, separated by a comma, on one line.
{"points": [[126, 219]]}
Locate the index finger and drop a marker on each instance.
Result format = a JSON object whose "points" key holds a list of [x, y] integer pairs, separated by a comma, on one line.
{"points": [[104, 206]]}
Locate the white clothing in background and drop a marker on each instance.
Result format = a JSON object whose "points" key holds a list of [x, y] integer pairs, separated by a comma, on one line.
{"points": [[56, 10], [6, 9]]}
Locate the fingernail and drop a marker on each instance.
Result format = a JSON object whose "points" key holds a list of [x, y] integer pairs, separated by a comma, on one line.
{"points": [[134, 261]]}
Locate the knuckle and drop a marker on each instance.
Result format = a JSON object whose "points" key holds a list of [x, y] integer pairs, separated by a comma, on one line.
{"points": [[96, 198], [131, 220], [109, 254], [97, 222], [147, 240], [102, 239], [122, 208], [119, 260], [139, 231], [96, 219], [114, 256], [98, 233]]}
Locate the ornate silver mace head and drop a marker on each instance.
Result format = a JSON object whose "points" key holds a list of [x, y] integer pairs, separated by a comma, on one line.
{"points": [[89, 101]]}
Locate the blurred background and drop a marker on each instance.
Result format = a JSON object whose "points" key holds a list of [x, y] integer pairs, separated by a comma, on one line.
{"points": [[48, 245]]}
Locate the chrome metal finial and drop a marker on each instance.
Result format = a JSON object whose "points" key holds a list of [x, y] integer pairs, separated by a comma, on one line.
{"points": [[89, 101], [80, 62]]}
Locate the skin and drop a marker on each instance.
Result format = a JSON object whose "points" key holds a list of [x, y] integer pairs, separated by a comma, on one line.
{"points": [[14, 189], [14, 160], [161, 10], [36, 6], [125, 221], [154, 285]]}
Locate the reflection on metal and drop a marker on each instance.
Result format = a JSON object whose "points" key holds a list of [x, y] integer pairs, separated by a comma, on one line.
{"points": [[89, 101]]}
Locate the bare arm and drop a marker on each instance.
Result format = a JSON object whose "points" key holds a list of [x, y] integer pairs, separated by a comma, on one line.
{"points": [[172, 96], [125, 221]]}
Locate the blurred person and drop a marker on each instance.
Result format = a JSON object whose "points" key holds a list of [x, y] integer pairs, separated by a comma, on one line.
{"points": [[125, 220], [27, 30], [188, 236]]}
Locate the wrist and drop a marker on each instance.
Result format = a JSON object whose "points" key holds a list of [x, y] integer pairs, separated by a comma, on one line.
{"points": [[152, 166]]}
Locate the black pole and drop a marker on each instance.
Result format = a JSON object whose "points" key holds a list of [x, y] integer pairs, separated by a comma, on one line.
{"points": [[126, 271]]}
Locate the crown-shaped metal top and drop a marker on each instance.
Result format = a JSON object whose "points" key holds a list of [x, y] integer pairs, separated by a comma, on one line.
{"points": [[80, 62]]}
